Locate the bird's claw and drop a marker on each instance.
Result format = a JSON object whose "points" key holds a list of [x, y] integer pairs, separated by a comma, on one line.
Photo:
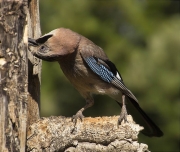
{"points": [[78, 115], [123, 115]]}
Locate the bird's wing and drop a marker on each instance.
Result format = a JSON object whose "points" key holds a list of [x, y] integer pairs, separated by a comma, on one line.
{"points": [[107, 71]]}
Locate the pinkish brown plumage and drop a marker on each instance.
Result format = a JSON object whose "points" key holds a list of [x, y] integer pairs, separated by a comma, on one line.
{"points": [[91, 72]]}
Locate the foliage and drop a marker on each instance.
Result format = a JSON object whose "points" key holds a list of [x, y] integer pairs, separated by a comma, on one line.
{"points": [[142, 38]]}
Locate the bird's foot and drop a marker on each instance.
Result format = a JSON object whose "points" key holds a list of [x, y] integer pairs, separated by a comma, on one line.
{"points": [[78, 115], [123, 115]]}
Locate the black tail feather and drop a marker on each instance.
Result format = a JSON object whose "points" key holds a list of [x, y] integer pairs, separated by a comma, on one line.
{"points": [[150, 128]]}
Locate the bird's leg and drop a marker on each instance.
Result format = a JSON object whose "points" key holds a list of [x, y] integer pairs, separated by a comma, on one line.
{"points": [[123, 115], [89, 103]]}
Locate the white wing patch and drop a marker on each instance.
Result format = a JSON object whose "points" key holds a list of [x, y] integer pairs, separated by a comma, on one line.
{"points": [[118, 76]]}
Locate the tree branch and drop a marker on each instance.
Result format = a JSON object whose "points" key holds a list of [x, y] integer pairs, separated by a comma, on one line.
{"points": [[92, 134]]}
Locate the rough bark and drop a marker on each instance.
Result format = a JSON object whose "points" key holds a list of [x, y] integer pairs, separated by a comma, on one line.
{"points": [[34, 64], [13, 75], [19, 76], [92, 135]]}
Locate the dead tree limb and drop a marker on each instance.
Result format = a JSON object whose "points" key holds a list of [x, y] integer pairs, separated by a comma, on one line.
{"points": [[34, 64], [19, 72], [99, 134], [13, 75]]}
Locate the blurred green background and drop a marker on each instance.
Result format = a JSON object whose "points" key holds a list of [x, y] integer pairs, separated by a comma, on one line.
{"points": [[142, 38]]}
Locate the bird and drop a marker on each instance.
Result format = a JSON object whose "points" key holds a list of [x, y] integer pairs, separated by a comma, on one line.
{"points": [[90, 71]]}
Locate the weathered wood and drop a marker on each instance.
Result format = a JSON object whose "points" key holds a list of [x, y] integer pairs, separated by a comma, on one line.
{"points": [[34, 64], [19, 72], [99, 134], [13, 75]]}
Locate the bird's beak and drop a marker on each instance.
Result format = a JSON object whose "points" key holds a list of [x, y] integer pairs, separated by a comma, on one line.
{"points": [[32, 42]]}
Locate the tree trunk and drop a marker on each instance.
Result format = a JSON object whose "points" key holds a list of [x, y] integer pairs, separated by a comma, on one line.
{"points": [[34, 64], [19, 78]]}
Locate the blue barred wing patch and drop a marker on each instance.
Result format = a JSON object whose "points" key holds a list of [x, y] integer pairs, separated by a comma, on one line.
{"points": [[100, 69], [108, 76]]}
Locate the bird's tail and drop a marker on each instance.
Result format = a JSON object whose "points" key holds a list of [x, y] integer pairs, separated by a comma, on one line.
{"points": [[150, 128]]}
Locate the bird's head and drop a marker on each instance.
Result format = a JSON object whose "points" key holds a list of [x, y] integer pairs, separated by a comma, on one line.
{"points": [[57, 43]]}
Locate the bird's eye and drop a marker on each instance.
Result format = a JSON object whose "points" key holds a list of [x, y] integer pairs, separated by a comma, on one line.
{"points": [[43, 49]]}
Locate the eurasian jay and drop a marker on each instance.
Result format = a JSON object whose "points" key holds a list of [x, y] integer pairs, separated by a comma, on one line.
{"points": [[91, 72]]}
